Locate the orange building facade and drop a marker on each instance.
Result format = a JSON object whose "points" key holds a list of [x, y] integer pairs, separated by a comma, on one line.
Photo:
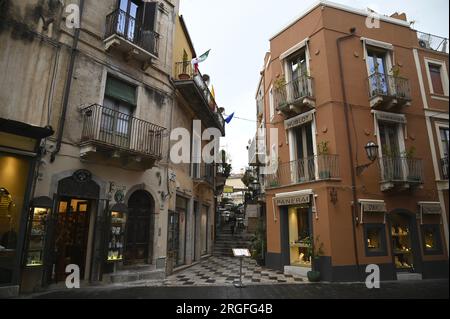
{"points": [[337, 87]]}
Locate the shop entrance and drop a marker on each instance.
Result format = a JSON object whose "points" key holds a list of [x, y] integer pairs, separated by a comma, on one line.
{"points": [[405, 242], [71, 235], [139, 232]]}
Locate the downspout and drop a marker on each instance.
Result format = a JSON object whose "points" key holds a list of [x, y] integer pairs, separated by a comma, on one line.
{"points": [[350, 150], [62, 120]]}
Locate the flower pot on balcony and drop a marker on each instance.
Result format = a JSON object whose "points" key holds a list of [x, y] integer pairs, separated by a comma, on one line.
{"points": [[313, 275], [325, 175], [183, 76]]}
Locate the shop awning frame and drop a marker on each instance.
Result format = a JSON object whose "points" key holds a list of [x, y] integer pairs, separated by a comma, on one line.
{"points": [[429, 208], [377, 206]]}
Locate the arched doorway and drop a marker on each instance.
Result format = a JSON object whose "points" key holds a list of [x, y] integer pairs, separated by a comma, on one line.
{"points": [[405, 241], [139, 233]]}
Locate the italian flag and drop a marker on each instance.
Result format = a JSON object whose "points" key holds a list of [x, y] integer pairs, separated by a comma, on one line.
{"points": [[200, 59]]}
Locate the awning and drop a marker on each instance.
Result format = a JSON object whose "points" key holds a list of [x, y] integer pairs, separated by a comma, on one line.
{"points": [[429, 208], [376, 43], [389, 117], [372, 206], [24, 129], [294, 49], [298, 120]]}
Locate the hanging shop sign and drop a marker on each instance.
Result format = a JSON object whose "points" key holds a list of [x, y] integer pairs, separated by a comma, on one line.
{"points": [[429, 208], [372, 206], [298, 120]]}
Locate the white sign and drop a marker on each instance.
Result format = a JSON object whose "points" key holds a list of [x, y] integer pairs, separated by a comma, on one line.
{"points": [[241, 252]]}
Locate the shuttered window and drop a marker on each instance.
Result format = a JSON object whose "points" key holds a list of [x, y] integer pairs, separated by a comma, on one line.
{"points": [[120, 90], [436, 79]]}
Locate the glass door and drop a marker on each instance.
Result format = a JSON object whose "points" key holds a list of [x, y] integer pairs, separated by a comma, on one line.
{"points": [[377, 72], [392, 162], [305, 164], [127, 19]]}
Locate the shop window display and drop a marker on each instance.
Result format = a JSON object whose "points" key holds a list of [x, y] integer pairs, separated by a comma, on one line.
{"points": [[401, 236], [375, 239], [39, 217], [431, 239], [13, 183], [116, 237], [299, 237]]}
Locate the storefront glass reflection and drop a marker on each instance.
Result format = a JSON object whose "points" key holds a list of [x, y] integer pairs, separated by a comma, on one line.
{"points": [[13, 183]]}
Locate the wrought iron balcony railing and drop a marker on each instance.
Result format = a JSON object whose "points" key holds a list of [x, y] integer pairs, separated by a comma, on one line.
{"points": [[432, 42], [203, 172], [314, 168], [122, 24], [294, 92], [388, 85], [444, 167], [116, 130], [185, 71], [401, 169]]}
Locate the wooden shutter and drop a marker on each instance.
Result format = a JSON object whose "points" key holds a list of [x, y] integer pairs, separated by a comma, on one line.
{"points": [[149, 16], [436, 80], [120, 90]]}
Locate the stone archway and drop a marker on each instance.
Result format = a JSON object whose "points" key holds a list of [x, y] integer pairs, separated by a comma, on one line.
{"points": [[140, 228]]}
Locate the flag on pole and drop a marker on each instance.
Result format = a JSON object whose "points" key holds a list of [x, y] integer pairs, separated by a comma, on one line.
{"points": [[200, 59], [229, 118], [213, 93]]}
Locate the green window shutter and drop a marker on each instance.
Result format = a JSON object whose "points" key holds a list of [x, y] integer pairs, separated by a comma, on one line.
{"points": [[120, 90]]}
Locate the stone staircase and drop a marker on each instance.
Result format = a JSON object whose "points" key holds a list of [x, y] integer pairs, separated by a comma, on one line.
{"points": [[225, 241]]}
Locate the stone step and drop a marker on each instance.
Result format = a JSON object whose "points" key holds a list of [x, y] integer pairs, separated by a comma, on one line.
{"points": [[132, 275]]}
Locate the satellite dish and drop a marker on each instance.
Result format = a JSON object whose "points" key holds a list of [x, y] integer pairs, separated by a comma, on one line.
{"points": [[423, 43]]}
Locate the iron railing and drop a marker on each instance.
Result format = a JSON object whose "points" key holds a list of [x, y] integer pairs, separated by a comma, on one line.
{"points": [[204, 172], [444, 167], [185, 71], [314, 168], [388, 85], [401, 169], [105, 126], [293, 91], [432, 42], [120, 23]]}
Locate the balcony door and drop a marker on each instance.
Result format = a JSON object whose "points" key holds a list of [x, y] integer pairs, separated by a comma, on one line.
{"points": [[128, 18], [392, 163], [377, 65], [299, 72], [304, 167]]}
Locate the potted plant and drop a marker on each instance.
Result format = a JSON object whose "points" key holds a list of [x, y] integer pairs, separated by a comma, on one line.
{"points": [[280, 84], [323, 152], [315, 251], [183, 75]]}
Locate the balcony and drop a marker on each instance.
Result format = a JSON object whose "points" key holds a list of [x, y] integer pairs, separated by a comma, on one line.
{"points": [[292, 97], [193, 88], [314, 168], [403, 172], [432, 42], [119, 139], [387, 91], [203, 174], [444, 168], [127, 36]]}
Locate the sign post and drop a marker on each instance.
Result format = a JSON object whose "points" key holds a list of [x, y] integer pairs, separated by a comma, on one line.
{"points": [[241, 253]]}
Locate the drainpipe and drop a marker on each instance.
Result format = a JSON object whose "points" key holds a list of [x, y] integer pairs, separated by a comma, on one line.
{"points": [[62, 120], [350, 150]]}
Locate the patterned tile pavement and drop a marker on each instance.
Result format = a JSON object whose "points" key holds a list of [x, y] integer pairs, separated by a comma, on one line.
{"points": [[224, 271]]}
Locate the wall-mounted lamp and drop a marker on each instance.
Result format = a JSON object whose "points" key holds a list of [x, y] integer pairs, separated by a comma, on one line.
{"points": [[372, 154]]}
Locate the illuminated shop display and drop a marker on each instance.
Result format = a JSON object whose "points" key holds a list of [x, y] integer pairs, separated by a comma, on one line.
{"points": [[116, 236], [375, 237], [37, 234], [299, 236], [401, 237], [431, 237]]}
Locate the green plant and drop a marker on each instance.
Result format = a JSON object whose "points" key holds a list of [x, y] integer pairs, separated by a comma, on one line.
{"points": [[410, 152], [258, 245], [279, 82], [395, 70], [322, 148]]}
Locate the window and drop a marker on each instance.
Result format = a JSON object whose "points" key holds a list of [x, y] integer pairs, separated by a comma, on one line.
{"points": [[377, 68], [444, 135], [436, 80], [431, 239], [196, 154], [391, 149], [375, 239], [298, 76], [304, 164]]}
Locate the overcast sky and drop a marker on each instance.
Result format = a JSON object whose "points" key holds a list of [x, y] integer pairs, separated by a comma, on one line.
{"points": [[238, 32]]}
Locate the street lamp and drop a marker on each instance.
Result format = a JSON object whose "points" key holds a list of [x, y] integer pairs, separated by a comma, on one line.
{"points": [[372, 154]]}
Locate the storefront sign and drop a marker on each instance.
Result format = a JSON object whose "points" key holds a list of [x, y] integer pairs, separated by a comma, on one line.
{"points": [[294, 200], [431, 208], [228, 189], [369, 207], [390, 117], [298, 120]]}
